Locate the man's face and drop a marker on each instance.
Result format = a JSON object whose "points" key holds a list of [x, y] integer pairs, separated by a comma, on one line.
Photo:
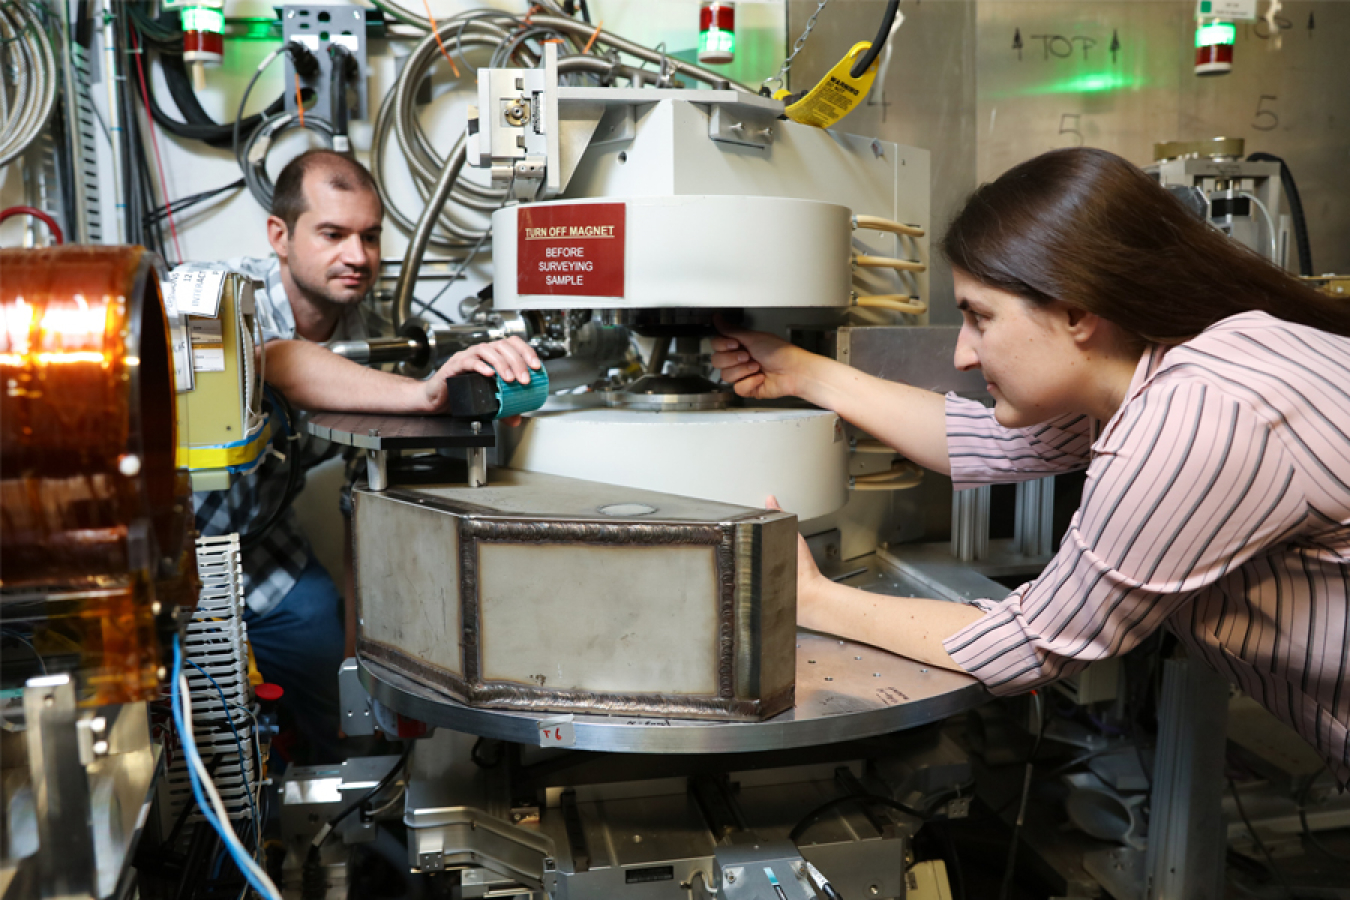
{"points": [[333, 253]]}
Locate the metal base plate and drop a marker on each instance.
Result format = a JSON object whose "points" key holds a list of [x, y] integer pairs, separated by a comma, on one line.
{"points": [[845, 691], [371, 431]]}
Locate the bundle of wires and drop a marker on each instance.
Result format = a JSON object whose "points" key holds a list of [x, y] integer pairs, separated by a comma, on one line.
{"points": [[26, 98], [167, 41], [208, 799], [251, 153], [140, 194]]}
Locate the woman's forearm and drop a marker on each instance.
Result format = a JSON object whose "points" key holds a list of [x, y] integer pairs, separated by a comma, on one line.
{"points": [[909, 419], [914, 627]]}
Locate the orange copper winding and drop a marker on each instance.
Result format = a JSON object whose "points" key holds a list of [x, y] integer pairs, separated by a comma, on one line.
{"points": [[94, 517]]}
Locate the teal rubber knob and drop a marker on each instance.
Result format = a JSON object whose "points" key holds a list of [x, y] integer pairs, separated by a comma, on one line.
{"points": [[515, 398]]}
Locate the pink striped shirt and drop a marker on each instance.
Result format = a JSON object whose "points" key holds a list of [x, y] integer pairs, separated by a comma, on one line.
{"points": [[1217, 502]]}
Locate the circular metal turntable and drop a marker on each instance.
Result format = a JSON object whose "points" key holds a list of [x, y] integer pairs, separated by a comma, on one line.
{"points": [[845, 691]]}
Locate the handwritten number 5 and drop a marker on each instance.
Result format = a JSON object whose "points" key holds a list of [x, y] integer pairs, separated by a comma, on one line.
{"points": [[1068, 124], [1266, 119]]}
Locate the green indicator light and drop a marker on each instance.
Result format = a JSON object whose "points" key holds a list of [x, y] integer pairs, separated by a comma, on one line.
{"points": [[1215, 33], [201, 18], [256, 28], [715, 40]]}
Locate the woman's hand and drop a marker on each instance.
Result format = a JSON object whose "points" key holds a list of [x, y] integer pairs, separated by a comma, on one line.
{"points": [[759, 366], [809, 580]]}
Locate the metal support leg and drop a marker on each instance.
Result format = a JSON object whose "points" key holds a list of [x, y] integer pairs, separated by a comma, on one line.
{"points": [[60, 788], [477, 466], [1187, 838], [377, 469], [1033, 524], [970, 524]]}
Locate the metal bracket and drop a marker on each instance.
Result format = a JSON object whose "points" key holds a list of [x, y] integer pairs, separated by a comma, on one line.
{"points": [[527, 128], [739, 124], [377, 469], [354, 700]]}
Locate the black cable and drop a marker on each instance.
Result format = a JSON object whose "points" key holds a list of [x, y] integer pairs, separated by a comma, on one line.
{"points": [[294, 472], [1308, 834], [484, 762], [815, 815], [342, 74], [1261, 845], [1010, 865], [182, 204], [879, 41], [1305, 265], [950, 856], [199, 125], [365, 798]]}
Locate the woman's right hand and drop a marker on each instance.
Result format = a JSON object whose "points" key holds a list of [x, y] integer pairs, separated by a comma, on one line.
{"points": [[758, 365]]}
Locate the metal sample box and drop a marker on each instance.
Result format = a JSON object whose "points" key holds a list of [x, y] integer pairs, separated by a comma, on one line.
{"points": [[544, 593]]}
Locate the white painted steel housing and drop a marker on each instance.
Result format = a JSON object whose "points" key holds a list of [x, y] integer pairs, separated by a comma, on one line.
{"points": [[721, 239], [737, 456], [710, 252]]}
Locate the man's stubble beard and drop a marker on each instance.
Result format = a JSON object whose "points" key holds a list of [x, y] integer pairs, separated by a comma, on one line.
{"points": [[320, 296]]}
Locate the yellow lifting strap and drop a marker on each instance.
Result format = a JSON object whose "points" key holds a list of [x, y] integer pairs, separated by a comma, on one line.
{"points": [[836, 95]]}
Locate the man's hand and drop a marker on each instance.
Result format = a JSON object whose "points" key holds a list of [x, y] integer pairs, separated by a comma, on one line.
{"points": [[760, 366], [512, 359]]}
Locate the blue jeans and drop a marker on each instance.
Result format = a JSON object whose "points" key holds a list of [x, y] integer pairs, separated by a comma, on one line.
{"points": [[298, 645]]}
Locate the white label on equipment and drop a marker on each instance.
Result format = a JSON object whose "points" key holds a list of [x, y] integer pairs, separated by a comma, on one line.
{"points": [[197, 291], [1235, 10], [208, 344], [557, 731], [179, 342]]}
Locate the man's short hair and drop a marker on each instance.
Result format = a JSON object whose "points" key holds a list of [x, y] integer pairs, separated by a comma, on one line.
{"points": [[339, 172]]}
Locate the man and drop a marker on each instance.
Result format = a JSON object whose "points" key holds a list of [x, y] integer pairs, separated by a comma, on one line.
{"points": [[325, 229]]}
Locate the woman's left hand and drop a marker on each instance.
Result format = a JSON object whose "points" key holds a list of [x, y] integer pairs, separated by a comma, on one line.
{"points": [[809, 578]]}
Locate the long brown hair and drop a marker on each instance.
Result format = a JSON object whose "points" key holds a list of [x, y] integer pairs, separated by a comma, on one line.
{"points": [[1088, 228]]}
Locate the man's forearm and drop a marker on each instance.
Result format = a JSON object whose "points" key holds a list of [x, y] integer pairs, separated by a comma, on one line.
{"points": [[313, 377], [910, 419]]}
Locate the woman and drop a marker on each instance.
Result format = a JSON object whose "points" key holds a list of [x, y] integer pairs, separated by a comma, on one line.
{"points": [[1205, 391]]}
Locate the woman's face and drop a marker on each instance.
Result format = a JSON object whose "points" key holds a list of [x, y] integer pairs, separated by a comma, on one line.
{"points": [[1035, 368]]}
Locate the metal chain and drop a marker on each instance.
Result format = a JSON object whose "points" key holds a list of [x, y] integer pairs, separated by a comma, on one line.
{"points": [[781, 77]]}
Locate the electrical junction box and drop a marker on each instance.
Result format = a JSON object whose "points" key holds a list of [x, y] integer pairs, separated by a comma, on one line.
{"points": [[317, 27]]}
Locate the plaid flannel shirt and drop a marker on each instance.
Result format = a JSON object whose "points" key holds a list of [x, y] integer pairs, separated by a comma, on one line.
{"points": [[271, 568]]}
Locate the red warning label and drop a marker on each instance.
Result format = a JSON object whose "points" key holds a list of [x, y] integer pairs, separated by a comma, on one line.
{"points": [[570, 249]]}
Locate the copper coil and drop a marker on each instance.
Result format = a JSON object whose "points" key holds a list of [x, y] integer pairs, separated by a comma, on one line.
{"points": [[95, 520], [87, 429]]}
